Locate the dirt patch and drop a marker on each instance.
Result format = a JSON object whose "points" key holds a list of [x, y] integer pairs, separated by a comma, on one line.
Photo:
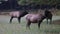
{"points": [[56, 22]]}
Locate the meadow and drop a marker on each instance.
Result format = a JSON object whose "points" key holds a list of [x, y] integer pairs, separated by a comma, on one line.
{"points": [[16, 28]]}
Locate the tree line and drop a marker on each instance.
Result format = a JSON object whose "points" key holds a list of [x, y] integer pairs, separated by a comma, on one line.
{"points": [[29, 4]]}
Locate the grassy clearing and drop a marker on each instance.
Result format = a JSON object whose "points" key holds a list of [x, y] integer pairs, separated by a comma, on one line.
{"points": [[57, 12], [21, 29], [16, 28]]}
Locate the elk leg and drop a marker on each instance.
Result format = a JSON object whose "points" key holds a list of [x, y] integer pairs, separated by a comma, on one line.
{"points": [[47, 20], [39, 23], [50, 21], [11, 19], [28, 24], [19, 19]]}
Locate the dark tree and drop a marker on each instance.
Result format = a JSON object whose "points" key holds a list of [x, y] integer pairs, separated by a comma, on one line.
{"points": [[13, 3]]}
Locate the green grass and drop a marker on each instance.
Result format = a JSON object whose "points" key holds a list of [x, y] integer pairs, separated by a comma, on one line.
{"points": [[16, 28], [58, 12], [21, 29]]}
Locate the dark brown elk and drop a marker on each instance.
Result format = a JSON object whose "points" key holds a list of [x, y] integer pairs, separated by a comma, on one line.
{"points": [[37, 18], [34, 18], [48, 15], [17, 14]]}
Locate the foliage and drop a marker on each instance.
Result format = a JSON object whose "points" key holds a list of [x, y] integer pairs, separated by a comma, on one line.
{"points": [[50, 2]]}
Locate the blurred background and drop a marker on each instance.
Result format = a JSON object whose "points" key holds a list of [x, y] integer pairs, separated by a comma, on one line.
{"points": [[32, 6]]}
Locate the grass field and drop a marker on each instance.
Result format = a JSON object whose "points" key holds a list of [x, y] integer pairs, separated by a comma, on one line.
{"points": [[16, 28], [58, 13]]}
